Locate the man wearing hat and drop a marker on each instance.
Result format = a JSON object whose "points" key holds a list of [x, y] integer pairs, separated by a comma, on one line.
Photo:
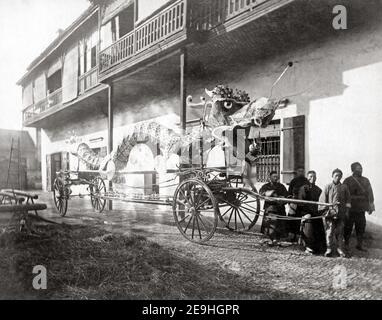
{"points": [[362, 200]]}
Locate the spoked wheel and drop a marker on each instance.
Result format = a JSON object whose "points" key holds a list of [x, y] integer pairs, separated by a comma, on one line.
{"points": [[239, 210], [195, 211], [60, 197], [97, 194]]}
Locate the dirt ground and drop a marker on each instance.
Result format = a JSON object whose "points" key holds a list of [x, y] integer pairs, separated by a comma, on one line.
{"points": [[286, 272]]}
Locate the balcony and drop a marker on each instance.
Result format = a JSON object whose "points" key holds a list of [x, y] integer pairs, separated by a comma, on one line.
{"points": [[42, 106], [53, 101], [88, 80], [171, 27], [165, 24]]}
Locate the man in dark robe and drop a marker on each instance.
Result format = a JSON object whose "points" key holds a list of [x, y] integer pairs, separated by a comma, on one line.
{"points": [[362, 200], [273, 227], [313, 232], [297, 182], [294, 188]]}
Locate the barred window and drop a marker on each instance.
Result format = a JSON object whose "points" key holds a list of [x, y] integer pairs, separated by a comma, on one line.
{"points": [[269, 159]]}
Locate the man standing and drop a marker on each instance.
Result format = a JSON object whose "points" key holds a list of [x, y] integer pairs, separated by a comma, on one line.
{"points": [[362, 200], [294, 188], [297, 182], [313, 233], [336, 193], [273, 227]]}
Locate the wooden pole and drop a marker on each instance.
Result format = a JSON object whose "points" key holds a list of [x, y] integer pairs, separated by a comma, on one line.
{"points": [[183, 88], [110, 124], [183, 98]]}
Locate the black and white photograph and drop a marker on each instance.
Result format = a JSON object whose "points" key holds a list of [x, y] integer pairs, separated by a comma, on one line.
{"points": [[204, 152]]}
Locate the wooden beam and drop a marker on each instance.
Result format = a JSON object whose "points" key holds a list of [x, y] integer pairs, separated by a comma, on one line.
{"points": [[21, 193], [183, 88], [22, 207], [110, 124]]}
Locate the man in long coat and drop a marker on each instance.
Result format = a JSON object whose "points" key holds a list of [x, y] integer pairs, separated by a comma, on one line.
{"points": [[362, 200]]}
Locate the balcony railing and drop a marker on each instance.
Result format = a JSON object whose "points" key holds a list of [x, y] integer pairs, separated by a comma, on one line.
{"points": [[118, 52], [205, 15], [199, 15], [28, 113], [236, 7], [43, 105], [88, 80], [163, 25]]}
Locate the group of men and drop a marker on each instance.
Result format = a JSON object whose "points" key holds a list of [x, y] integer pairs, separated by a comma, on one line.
{"points": [[321, 228]]}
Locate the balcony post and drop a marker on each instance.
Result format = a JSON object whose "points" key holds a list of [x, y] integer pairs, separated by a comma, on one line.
{"points": [[110, 124], [183, 88], [38, 155]]}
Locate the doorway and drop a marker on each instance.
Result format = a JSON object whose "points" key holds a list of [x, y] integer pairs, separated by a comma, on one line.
{"points": [[55, 166]]}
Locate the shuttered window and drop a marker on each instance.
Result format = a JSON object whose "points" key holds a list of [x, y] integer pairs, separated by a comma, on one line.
{"points": [[70, 75], [293, 146], [40, 89], [27, 95]]}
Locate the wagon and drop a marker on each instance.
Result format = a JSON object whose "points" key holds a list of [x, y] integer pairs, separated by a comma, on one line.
{"points": [[203, 198], [62, 190]]}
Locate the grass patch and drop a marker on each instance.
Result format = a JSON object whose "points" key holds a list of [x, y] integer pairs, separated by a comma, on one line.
{"points": [[86, 263]]}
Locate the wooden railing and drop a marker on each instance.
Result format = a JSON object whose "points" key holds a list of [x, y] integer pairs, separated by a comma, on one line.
{"points": [[28, 113], [88, 80], [163, 25], [117, 52], [199, 15], [236, 7], [206, 15], [41, 106]]}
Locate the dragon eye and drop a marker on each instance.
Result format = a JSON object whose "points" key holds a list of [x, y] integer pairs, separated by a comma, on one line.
{"points": [[228, 105]]}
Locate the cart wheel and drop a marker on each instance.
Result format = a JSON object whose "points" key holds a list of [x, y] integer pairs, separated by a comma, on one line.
{"points": [[195, 211], [97, 192], [239, 210], [60, 197]]}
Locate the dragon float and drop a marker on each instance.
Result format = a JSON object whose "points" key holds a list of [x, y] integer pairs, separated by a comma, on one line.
{"points": [[225, 110]]}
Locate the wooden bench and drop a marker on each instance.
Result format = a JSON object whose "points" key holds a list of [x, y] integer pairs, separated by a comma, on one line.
{"points": [[30, 197], [22, 207], [10, 197], [20, 204]]}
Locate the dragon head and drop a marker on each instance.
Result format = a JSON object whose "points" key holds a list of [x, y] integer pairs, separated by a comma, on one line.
{"points": [[227, 99]]}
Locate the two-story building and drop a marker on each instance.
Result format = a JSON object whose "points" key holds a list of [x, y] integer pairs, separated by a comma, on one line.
{"points": [[128, 61]]}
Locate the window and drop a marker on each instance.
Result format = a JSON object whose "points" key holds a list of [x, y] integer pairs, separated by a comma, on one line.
{"points": [[88, 53], [147, 7], [82, 60], [270, 145], [126, 21], [117, 27], [55, 81]]}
